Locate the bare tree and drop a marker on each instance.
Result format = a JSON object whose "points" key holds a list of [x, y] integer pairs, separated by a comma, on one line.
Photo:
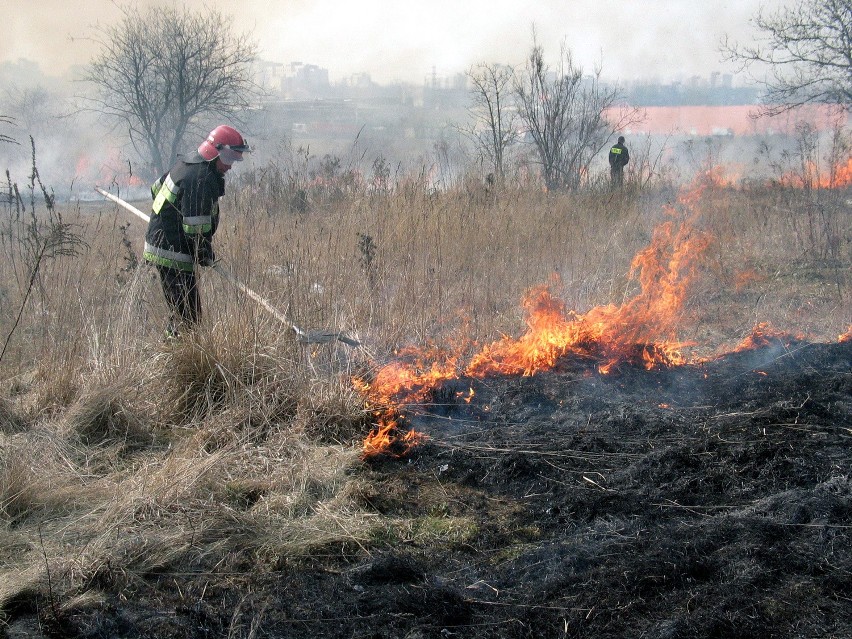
{"points": [[493, 115], [808, 51], [5, 119], [164, 72], [565, 114], [35, 109]]}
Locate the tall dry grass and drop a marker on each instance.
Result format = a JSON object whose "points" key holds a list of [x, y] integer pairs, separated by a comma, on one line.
{"points": [[236, 449]]}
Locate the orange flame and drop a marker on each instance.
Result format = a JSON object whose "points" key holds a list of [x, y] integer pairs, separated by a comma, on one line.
{"points": [[763, 335], [641, 332], [721, 176], [388, 438], [111, 170], [466, 397], [839, 176], [843, 175]]}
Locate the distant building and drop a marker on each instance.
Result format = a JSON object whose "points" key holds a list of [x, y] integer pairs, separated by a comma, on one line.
{"points": [[304, 80], [359, 81], [269, 75]]}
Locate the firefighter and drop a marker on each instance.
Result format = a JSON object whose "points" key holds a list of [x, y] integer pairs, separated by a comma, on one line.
{"points": [[184, 217], [618, 159]]}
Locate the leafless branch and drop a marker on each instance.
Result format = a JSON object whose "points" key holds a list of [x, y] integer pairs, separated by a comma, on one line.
{"points": [[492, 115], [164, 72], [564, 112], [807, 51]]}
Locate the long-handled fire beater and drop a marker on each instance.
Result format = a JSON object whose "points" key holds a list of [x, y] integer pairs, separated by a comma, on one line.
{"points": [[304, 337]]}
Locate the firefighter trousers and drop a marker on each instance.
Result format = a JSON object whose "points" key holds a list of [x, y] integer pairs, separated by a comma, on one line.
{"points": [[181, 292], [616, 174]]}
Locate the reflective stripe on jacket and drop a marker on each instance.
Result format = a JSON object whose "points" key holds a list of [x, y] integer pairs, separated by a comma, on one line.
{"points": [[169, 259], [185, 213], [618, 156], [164, 190], [200, 224]]}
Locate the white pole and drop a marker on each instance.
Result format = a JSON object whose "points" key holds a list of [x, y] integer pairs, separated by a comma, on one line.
{"points": [[317, 337], [219, 269]]}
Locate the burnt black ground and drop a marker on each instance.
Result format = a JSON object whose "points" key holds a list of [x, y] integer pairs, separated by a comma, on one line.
{"points": [[703, 501]]}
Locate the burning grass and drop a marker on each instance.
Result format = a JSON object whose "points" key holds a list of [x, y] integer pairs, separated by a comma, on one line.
{"points": [[230, 466], [643, 331]]}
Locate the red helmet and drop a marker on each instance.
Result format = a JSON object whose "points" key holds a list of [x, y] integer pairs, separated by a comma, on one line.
{"points": [[226, 143]]}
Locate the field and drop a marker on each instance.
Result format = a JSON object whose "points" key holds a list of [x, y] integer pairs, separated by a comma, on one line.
{"points": [[630, 413]]}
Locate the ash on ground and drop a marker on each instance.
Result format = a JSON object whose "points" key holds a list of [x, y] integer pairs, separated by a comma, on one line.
{"points": [[701, 501]]}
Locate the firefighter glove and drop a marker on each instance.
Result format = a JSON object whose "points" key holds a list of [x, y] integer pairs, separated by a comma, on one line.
{"points": [[206, 256]]}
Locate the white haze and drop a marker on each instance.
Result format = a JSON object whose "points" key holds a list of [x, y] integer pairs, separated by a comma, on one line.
{"points": [[405, 40], [660, 40]]}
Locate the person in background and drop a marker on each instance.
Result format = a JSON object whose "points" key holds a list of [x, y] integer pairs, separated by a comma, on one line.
{"points": [[618, 159], [184, 218]]}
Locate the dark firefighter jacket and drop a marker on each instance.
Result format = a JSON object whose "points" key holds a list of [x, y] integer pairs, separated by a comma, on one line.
{"points": [[618, 156], [185, 214]]}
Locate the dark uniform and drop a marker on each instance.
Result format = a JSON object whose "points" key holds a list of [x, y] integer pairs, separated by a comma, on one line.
{"points": [[185, 214], [618, 159]]}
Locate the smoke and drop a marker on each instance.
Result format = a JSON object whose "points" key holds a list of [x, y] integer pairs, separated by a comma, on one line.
{"points": [[629, 39], [395, 40], [73, 151]]}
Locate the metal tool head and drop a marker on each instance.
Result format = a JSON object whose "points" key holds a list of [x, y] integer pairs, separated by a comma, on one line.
{"points": [[324, 337]]}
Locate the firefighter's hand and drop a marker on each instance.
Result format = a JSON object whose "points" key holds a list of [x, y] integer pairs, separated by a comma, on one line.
{"points": [[206, 256]]}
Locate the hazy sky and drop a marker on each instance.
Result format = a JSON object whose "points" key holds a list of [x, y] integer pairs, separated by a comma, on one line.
{"points": [[405, 39]]}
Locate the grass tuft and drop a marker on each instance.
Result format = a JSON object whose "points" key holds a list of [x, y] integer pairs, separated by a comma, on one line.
{"points": [[104, 415], [10, 420]]}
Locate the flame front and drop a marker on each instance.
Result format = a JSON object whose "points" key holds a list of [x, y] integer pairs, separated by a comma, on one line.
{"points": [[763, 335], [388, 438], [643, 332], [838, 176]]}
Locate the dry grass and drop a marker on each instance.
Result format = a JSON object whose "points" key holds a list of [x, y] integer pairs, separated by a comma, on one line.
{"points": [[224, 491], [123, 457], [10, 420], [103, 416]]}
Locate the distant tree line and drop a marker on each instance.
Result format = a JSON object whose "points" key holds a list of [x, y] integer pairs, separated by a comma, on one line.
{"points": [[164, 75], [679, 94]]}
